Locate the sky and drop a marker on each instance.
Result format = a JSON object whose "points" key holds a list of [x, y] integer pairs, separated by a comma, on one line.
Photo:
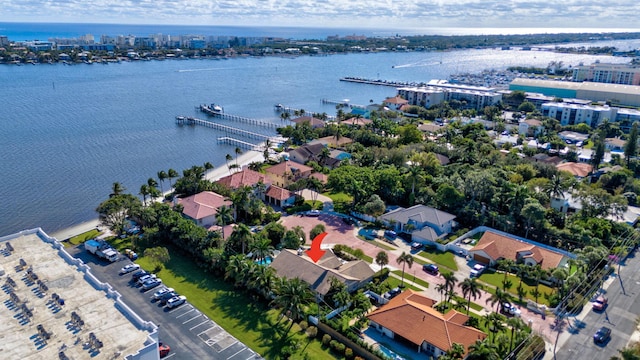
{"points": [[333, 13]]}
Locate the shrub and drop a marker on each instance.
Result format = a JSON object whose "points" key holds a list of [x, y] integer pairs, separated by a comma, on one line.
{"points": [[358, 358], [340, 347], [348, 353], [326, 339], [334, 344], [303, 325], [312, 332]]}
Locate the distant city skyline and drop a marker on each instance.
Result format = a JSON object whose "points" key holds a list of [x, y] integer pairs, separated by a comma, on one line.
{"points": [[400, 14]]}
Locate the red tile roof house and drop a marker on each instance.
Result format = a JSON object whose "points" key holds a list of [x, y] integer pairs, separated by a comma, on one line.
{"points": [[278, 196], [202, 207], [411, 319], [494, 246], [579, 170], [395, 103], [244, 177]]}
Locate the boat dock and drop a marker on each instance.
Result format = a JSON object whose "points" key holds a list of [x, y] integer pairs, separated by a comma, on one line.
{"points": [[285, 109], [207, 110], [237, 143], [188, 120], [380, 82]]}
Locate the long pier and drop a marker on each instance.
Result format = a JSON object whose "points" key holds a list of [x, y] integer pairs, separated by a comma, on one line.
{"points": [[286, 109], [188, 120], [205, 109], [380, 82], [237, 142]]}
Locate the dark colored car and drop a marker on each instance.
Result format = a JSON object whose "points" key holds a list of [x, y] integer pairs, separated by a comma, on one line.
{"points": [[392, 293], [602, 335], [430, 268], [164, 298], [138, 274]]}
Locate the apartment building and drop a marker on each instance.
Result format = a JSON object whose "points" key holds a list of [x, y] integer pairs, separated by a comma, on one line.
{"points": [[607, 73]]}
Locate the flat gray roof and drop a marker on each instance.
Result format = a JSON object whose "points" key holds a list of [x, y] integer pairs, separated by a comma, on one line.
{"points": [[101, 311]]}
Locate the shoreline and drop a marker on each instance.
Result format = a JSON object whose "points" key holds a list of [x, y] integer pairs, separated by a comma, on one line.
{"points": [[221, 171]]}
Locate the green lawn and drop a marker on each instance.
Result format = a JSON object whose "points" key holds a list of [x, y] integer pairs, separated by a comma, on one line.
{"points": [[394, 282], [79, 239], [339, 197], [251, 322], [416, 280], [445, 259], [495, 279]]}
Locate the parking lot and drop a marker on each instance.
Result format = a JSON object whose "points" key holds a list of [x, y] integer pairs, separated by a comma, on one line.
{"points": [[188, 332]]}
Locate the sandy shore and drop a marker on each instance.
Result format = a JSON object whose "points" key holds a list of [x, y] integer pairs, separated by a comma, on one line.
{"points": [[244, 159]]}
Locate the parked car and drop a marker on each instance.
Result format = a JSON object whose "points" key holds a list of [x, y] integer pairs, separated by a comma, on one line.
{"points": [[150, 284], [477, 270], [166, 297], [416, 246], [313, 213], [144, 278], [431, 269], [602, 335], [158, 294], [176, 301], [600, 303], [390, 234], [138, 274], [510, 309], [392, 293], [129, 268], [164, 349]]}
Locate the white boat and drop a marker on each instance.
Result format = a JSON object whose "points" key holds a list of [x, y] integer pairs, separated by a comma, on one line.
{"points": [[212, 109]]}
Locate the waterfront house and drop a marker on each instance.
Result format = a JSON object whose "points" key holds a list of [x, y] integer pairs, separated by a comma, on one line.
{"points": [[410, 319], [313, 122], [287, 172], [355, 121], [202, 207], [395, 103], [494, 246], [296, 264], [244, 177], [332, 141], [579, 170], [423, 222]]}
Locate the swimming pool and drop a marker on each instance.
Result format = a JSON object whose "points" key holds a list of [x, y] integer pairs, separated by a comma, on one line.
{"points": [[389, 354], [265, 261]]}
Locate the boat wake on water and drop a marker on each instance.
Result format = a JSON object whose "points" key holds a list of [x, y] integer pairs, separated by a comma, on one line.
{"points": [[205, 69], [417, 64]]}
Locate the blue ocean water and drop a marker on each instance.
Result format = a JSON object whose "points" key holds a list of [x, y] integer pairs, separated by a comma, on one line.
{"points": [[68, 132]]}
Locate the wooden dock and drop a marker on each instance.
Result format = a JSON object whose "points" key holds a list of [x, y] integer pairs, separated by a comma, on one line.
{"points": [[241, 119], [286, 109], [238, 143], [188, 120]]}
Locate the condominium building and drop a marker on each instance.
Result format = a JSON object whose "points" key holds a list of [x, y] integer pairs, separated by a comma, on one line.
{"points": [[592, 115], [438, 91], [607, 73]]}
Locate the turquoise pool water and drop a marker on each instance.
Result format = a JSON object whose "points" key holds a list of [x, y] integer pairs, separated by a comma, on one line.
{"points": [[390, 354], [265, 261]]}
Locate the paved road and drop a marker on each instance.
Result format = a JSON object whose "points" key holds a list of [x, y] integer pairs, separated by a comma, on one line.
{"points": [[190, 333], [620, 316]]}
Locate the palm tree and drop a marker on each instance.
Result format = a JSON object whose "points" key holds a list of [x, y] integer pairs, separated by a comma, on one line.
{"points": [[293, 296], [499, 297], [450, 281], [516, 324], [441, 288], [470, 288], [267, 146], [261, 249], [238, 152], [235, 267], [144, 191], [172, 174], [285, 115], [483, 350], [455, 352], [224, 216], [162, 176], [263, 280], [494, 322], [505, 265], [241, 234], [116, 189], [382, 259], [404, 259], [228, 158]]}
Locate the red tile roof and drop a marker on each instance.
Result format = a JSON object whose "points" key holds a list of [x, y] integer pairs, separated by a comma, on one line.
{"points": [[356, 121], [576, 169], [287, 167], [278, 193], [245, 177], [412, 316], [314, 122], [203, 204], [503, 247], [396, 100]]}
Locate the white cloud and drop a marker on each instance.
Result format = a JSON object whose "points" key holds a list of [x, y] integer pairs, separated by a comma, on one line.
{"points": [[343, 13]]}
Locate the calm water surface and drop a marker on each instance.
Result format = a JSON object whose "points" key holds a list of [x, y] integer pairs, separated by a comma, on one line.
{"points": [[69, 132]]}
